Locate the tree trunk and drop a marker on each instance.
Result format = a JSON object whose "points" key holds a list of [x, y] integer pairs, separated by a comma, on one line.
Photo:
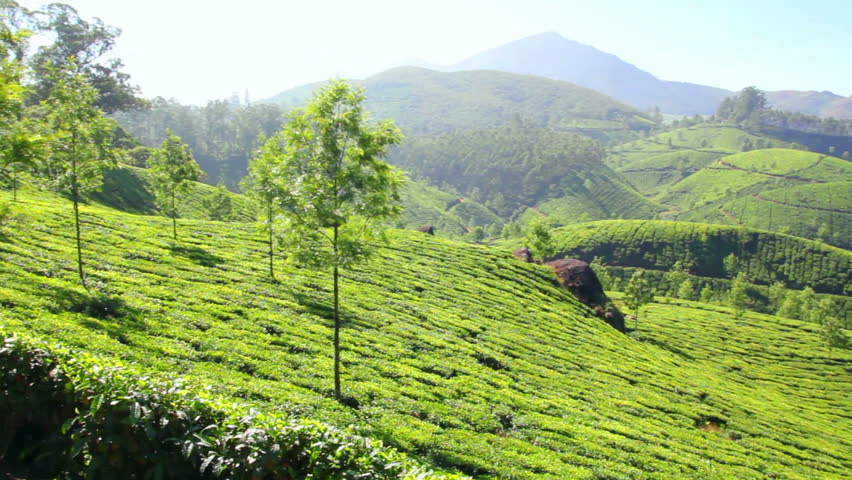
{"points": [[174, 217], [75, 195], [271, 265], [336, 322]]}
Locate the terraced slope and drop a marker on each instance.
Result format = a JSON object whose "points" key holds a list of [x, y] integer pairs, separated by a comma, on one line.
{"points": [[766, 257], [664, 159], [802, 193], [813, 210], [451, 216], [456, 353]]}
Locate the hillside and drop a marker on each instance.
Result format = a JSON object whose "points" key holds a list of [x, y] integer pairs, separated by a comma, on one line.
{"points": [[552, 56], [450, 215], [424, 101], [824, 104], [131, 189], [672, 155], [516, 167], [802, 193], [764, 256], [455, 353]]}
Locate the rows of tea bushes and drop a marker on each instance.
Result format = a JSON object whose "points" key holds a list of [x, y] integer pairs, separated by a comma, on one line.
{"points": [[764, 256], [65, 413], [457, 354], [819, 211], [759, 297]]}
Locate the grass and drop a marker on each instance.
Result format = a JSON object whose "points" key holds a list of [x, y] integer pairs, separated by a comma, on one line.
{"points": [[455, 353]]}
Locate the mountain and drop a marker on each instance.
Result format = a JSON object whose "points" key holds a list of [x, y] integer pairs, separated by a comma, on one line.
{"points": [[823, 104], [427, 101], [457, 354], [552, 56]]}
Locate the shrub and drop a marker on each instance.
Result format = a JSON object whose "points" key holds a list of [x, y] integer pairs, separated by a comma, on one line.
{"points": [[113, 422]]}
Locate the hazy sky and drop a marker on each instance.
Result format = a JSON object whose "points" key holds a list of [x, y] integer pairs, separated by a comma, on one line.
{"points": [[197, 50]]}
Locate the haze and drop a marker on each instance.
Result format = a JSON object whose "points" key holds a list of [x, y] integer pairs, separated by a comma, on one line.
{"points": [[195, 51]]}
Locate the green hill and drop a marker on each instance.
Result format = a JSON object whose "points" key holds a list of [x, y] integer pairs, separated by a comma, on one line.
{"points": [[450, 215], [814, 210], [455, 353], [802, 193], [130, 189], [427, 101], [764, 256], [651, 164], [516, 167]]}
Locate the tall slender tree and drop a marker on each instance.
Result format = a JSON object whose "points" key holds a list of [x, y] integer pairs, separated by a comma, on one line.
{"points": [[173, 169], [78, 143], [638, 294], [261, 186], [334, 192]]}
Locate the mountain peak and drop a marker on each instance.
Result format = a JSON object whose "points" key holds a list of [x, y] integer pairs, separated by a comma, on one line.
{"points": [[551, 55]]}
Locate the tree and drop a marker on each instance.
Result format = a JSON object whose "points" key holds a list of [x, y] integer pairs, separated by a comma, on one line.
{"points": [[20, 145], [478, 234], [78, 45], [540, 240], [675, 277], [738, 297], [706, 295], [686, 290], [334, 192], [173, 169], [833, 333], [777, 291], [601, 272], [731, 264], [78, 143], [261, 186], [638, 294], [218, 205]]}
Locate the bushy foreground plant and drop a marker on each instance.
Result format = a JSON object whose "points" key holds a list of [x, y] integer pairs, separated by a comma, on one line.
{"points": [[68, 415]]}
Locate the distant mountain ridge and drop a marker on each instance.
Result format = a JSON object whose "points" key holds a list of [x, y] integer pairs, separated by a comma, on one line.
{"points": [[428, 101], [823, 104], [550, 55]]}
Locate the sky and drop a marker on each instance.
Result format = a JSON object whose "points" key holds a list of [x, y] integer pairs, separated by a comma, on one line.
{"points": [[200, 50]]}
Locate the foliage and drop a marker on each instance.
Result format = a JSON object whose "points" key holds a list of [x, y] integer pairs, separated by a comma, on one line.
{"points": [[686, 290], [738, 297], [222, 135], [172, 169], [219, 204], [638, 293], [115, 421], [331, 187], [78, 46], [540, 240], [602, 273]]}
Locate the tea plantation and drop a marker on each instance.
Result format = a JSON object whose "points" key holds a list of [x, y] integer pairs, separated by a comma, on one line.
{"points": [[457, 354]]}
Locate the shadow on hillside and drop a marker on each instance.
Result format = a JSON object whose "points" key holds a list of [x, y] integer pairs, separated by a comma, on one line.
{"points": [[106, 313], [664, 346], [197, 255]]}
